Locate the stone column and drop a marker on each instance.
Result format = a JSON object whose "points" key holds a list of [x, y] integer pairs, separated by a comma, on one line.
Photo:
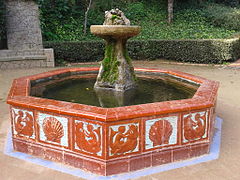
{"points": [[24, 37], [23, 25]]}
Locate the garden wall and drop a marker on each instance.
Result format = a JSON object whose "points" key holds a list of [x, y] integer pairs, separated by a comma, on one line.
{"points": [[197, 51]]}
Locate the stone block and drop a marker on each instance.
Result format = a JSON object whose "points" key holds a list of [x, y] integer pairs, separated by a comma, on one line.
{"points": [[23, 25], [50, 57]]}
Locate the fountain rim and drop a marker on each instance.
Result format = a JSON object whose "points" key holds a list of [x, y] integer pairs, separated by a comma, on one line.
{"points": [[19, 95]]}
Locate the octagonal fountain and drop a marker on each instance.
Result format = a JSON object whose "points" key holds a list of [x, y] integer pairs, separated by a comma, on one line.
{"points": [[120, 137]]}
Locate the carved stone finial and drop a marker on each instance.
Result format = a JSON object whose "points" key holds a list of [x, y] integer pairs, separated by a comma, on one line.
{"points": [[115, 17]]}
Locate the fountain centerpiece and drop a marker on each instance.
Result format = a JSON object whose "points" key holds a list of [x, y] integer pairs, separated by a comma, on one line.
{"points": [[116, 70]]}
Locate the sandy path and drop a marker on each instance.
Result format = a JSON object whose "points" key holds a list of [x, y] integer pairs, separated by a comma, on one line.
{"points": [[226, 167]]}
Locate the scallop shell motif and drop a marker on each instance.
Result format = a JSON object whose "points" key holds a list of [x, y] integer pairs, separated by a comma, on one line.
{"points": [[160, 132], [53, 129]]}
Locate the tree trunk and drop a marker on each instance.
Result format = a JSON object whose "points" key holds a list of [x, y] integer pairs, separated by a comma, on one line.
{"points": [[86, 18], [170, 11]]}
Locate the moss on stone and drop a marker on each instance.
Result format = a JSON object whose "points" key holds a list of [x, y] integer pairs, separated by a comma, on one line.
{"points": [[110, 63], [114, 17]]}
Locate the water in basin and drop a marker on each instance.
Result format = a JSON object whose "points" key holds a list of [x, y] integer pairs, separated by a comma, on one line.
{"points": [[149, 90]]}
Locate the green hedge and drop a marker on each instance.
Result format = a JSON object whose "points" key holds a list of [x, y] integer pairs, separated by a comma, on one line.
{"points": [[197, 51], [82, 51]]}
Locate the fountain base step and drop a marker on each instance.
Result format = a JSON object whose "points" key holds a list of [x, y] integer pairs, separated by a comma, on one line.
{"points": [[213, 154]]}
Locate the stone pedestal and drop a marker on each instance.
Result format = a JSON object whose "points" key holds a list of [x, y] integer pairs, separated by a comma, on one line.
{"points": [[116, 70], [23, 25], [24, 38]]}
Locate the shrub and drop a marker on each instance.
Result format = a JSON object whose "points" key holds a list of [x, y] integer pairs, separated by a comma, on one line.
{"points": [[82, 51], [136, 11], [222, 16], [197, 51]]}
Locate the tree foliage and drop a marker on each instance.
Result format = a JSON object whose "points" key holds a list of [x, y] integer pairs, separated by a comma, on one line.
{"points": [[232, 3], [63, 20]]}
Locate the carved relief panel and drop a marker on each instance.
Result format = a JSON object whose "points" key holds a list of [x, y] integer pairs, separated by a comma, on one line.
{"points": [[23, 123], [195, 126], [124, 139], [161, 132], [53, 129], [88, 137]]}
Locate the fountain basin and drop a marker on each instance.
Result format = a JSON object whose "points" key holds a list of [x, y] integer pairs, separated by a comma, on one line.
{"points": [[110, 141]]}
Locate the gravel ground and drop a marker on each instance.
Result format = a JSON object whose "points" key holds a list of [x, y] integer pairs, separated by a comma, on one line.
{"points": [[228, 108]]}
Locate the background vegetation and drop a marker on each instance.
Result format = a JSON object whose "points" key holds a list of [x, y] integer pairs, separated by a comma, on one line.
{"points": [[63, 20], [197, 51], [62, 23]]}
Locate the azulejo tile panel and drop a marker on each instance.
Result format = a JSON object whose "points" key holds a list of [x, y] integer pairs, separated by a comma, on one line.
{"points": [[53, 129], [161, 132], [88, 137], [23, 123], [123, 139], [195, 126]]}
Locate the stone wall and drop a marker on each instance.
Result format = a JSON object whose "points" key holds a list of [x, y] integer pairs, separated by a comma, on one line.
{"points": [[24, 37], [22, 61], [23, 25]]}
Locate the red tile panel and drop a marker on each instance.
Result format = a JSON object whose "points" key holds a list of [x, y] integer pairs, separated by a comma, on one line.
{"points": [[123, 138], [140, 162], [199, 149], [88, 137], [73, 160], [20, 146], [53, 155], [162, 157], [94, 166], [116, 167], [181, 153]]}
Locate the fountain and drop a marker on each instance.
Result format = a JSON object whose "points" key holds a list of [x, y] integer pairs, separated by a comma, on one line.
{"points": [[117, 139], [116, 69]]}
